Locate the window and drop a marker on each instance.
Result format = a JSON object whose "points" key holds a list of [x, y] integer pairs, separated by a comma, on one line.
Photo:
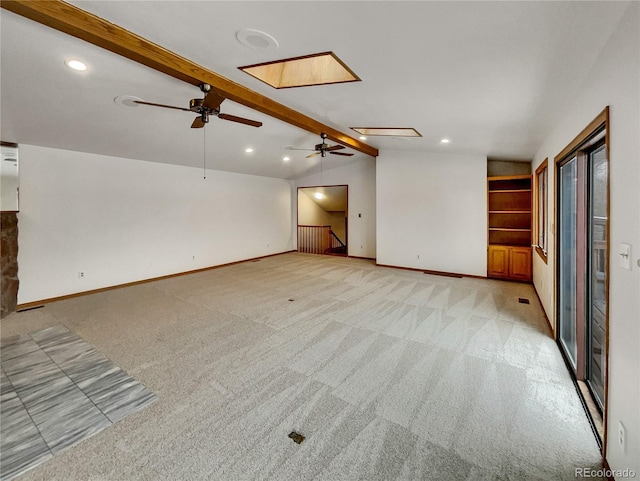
{"points": [[540, 203]]}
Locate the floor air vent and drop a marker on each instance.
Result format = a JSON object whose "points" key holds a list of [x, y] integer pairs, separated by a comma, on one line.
{"points": [[30, 309], [522, 300], [444, 274], [297, 437]]}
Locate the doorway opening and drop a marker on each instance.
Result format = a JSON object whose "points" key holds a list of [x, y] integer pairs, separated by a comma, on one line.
{"points": [[323, 220]]}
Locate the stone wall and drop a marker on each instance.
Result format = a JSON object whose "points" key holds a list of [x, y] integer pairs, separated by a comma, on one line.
{"points": [[9, 263]]}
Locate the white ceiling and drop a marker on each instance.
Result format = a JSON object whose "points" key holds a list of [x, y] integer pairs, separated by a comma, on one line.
{"points": [[491, 76]]}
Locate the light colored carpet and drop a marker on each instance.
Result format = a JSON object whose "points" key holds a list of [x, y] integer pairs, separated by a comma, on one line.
{"points": [[390, 374]]}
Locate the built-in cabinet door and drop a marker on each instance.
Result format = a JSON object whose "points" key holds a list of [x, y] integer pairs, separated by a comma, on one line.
{"points": [[520, 263], [509, 262], [498, 265]]}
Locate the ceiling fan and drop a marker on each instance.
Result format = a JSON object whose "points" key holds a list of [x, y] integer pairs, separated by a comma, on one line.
{"points": [[323, 148], [209, 105]]}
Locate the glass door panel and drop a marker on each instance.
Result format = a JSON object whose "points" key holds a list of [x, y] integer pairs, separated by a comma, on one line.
{"points": [[567, 257], [597, 247]]}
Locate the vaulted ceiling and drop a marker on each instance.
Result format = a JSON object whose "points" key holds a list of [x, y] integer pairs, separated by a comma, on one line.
{"points": [[491, 76]]}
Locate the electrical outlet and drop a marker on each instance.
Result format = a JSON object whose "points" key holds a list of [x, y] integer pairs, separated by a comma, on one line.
{"points": [[80, 275], [622, 436]]}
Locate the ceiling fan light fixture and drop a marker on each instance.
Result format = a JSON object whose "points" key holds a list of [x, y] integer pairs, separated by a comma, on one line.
{"points": [[387, 131], [315, 69], [209, 105]]}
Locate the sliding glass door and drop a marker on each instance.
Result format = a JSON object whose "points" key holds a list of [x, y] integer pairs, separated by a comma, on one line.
{"points": [[582, 219], [567, 258], [597, 280]]}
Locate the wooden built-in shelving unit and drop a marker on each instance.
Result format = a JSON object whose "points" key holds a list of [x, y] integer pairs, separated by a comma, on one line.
{"points": [[509, 199]]}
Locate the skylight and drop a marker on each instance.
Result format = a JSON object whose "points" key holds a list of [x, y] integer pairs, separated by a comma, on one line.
{"points": [[388, 131], [316, 69]]}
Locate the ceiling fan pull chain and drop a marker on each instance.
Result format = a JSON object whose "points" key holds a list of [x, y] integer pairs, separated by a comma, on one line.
{"points": [[204, 153]]}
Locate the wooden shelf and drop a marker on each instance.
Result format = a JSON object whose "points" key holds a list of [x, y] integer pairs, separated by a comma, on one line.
{"points": [[504, 200], [509, 219], [505, 178], [510, 191], [509, 230], [505, 244]]}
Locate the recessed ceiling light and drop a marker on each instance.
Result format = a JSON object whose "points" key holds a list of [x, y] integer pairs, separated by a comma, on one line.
{"points": [[388, 131], [286, 159], [444, 141], [248, 150], [315, 69], [362, 137], [256, 39], [76, 64], [319, 195]]}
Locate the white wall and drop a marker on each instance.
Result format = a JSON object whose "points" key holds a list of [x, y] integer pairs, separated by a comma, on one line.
{"points": [[122, 220], [309, 212], [361, 179], [9, 179], [614, 81], [337, 222], [433, 206]]}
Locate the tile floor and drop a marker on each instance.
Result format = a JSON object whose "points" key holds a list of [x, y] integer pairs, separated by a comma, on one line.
{"points": [[55, 391]]}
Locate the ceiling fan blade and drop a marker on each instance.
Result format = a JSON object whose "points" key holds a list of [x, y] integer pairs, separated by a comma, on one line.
{"points": [[233, 118], [296, 148], [312, 155], [341, 153], [212, 100], [160, 105], [197, 123], [335, 147]]}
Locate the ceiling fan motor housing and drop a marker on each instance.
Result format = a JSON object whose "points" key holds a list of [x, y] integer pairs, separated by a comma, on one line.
{"points": [[195, 104]]}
